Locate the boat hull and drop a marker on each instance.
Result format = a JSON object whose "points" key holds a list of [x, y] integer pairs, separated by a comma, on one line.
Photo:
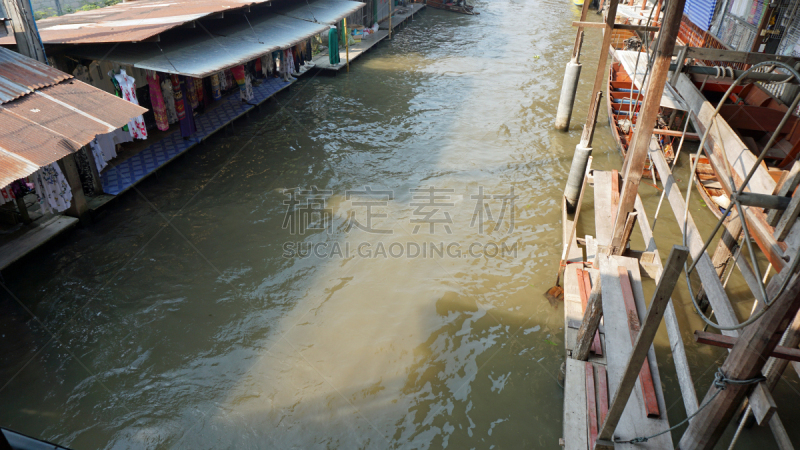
{"points": [[469, 10]]}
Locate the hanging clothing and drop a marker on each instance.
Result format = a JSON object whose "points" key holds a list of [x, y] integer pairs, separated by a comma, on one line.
{"points": [[258, 68], [238, 75], [247, 94], [216, 91], [52, 188], [104, 146], [198, 86], [117, 91], [290, 68], [82, 73], [308, 55], [333, 46], [7, 195], [157, 101], [169, 100], [229, 80], [85, 172], [190, 94], [180, 104], [127, 86], [188, 126], [223, 82]]}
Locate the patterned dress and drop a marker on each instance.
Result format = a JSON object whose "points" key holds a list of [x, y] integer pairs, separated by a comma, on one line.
{"points": [[157, 100], [169, 100], [128, 87]]}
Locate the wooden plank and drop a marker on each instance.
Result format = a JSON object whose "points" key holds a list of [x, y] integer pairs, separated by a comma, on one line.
{"points": [[645, 377], [781, 436], [591, 404], [708, 275], [617, 26], [614, 194], [602, 393], [602, 207], [763, 404], [575, 421], [589, 324], [671, 321], [634, 421], [33, 239], [676, 133], [585, 282], [703, 337], [788, 218], [573, 309]]}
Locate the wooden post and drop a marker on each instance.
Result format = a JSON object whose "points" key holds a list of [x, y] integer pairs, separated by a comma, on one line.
{"points": [[23, 210], [600, 77], [745, 361], [97, 185], [347, 45], [590, 323], [637, 152], [672, 271], [762, 24], [29, 43], [391, 11], [78, 207]]}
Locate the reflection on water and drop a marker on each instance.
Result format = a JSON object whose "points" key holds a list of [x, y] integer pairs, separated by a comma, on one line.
{"points": [[198, 333]]}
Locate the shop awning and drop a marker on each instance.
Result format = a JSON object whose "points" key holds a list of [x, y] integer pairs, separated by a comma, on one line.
{"points": [[206, 50], [323, 11], [48, 115], [130, 21]]}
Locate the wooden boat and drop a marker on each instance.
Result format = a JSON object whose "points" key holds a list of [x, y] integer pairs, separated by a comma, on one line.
{"points": [[753, 113], [577, 2], [452, 6], [623, 102]]}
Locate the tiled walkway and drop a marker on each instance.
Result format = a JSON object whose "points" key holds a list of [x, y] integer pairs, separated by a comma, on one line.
{"points": [[129, 172]]}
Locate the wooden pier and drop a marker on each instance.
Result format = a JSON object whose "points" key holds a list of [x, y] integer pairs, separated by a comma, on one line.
{"points": [[612, 393], [321, 61]]}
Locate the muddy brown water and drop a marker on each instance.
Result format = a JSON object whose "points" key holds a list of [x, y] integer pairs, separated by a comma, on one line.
{"points": [[193, 315]]}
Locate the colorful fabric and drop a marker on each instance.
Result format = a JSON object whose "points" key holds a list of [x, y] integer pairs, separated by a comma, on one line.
{"points": [[188, 126], [190, 93], [333, 46], [216, 91], [180, 105], [247, 94], [198, 86], [157, 101], [52, 188], [118, 93], [128, 87], [169, 100], [238, 75], [6, 195]]}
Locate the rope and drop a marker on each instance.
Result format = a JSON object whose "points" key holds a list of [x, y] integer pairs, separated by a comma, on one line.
{"points": [[720, 382]]}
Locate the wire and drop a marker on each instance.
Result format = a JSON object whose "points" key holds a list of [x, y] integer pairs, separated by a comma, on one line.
{"points": [[720, 382]]}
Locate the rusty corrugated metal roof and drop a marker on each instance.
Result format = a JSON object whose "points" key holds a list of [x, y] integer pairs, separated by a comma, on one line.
{"points": [[13, 167], [128, 22], [20, 75], [46, 124]]}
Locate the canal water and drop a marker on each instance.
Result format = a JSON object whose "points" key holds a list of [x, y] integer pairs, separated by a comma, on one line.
{"points": [[361, 265]]}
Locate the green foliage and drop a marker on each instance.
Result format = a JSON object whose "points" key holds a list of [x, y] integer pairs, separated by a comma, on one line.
{"points": [[44, 13]]}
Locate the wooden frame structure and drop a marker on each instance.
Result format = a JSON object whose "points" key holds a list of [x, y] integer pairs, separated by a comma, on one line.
{"points": [[612, 381]]}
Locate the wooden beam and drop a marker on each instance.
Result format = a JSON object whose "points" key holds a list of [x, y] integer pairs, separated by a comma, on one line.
{"points": [[670, 320], [637, 151], [617, 26], [585, 285], [590, 323], [714, 54], [676, 133], [717, 340], [645, 377], [785, 188], [644, 340], [762, 404], [705, 269], [745, 361], [602, 393], [781, 436]]}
